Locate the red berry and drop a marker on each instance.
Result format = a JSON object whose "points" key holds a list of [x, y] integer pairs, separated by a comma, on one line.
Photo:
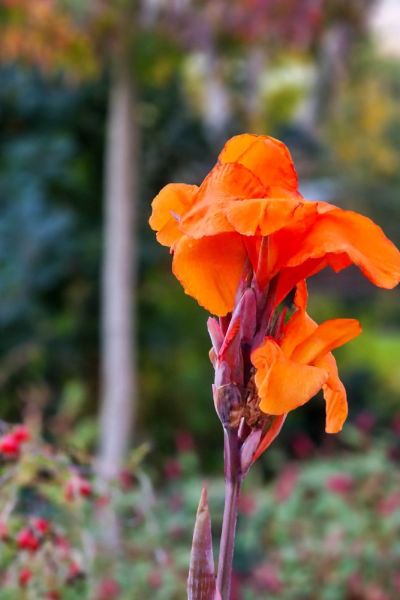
{"points": [[172, 469], [108, 589], [9, 445], [27, 540], [126, 479], [41, 525], [341, 483], [25, 575], [77, 486], [21, 434], [74, 571], [85, 488]]}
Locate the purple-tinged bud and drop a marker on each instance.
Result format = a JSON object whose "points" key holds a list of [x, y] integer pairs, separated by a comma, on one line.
{"points": [[201, 581], [215, 333], [248, 450], [228, 404], [248, 314], [223, 374]]}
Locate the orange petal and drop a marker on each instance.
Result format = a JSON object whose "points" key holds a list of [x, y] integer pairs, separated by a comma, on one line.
{"points": [[285, 242], [326, 337], [334, 394], [270, 436], [210, 269], [226, 184], [261, 216], [301, 296], [283, 384], [268, 158], [346, 232], [173, 201], [290, 276], [300, 326]]}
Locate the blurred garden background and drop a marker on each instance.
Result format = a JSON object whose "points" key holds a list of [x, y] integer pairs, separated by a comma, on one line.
{"points": [[101, 104]]}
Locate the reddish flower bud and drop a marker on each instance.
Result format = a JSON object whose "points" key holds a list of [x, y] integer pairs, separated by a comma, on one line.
{"points": [[77, 486], [340, 483], [85, 488], [27, 540], [74, 571], [24, 577], [109, 589], [172, 469], [126, 479], [21, 434], [9, 446], [41, 525]]}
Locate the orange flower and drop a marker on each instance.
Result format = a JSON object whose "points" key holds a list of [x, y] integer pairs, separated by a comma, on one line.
{"points": [[290, 370], [252, 195], [241, 241]]}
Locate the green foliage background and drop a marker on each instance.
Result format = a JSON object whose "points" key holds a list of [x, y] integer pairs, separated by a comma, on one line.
{"points": [[52, 134], [51, 148]]}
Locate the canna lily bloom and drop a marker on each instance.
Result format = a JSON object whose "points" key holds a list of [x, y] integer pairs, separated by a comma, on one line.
{"points": [[290, 370], [241, 241], [249, 209]]}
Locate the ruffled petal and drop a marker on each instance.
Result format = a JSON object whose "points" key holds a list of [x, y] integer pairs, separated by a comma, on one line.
{"points": [[300, 326], [227, 184], [282, 383], [326, 337], [289, 277], [348, 233], [268, 158], [168, 208], [261, 216], [334, 394], [210, 270]]}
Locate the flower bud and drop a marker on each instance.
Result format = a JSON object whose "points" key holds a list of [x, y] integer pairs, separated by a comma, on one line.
{"points": [[228, 404]]}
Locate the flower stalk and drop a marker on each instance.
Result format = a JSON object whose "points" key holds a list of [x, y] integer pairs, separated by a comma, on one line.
{"points": [[233, 480]]}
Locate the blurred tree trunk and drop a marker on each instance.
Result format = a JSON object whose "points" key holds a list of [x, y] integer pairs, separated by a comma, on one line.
{"points": [[333, 63], [118, 376], [217, 110]]}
